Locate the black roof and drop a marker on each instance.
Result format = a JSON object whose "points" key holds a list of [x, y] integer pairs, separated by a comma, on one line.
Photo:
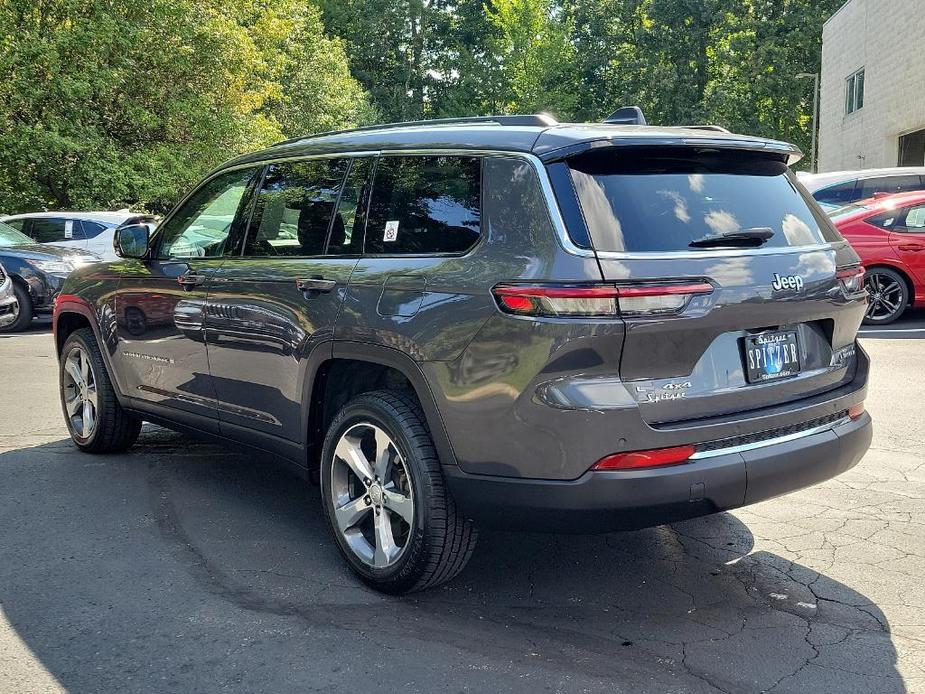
{"points": [[539, 135]]}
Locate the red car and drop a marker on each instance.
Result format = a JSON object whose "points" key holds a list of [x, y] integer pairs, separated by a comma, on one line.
{"points": [[888, 232]]}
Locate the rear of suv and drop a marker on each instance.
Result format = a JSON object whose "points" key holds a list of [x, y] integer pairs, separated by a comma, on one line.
{"points": [[488, 322]]}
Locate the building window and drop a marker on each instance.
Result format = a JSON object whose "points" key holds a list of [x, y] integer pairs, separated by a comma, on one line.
{"points": [[854, 92]]}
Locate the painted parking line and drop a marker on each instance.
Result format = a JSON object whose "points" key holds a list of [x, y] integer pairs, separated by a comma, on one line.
{"points": [[887, 331]]}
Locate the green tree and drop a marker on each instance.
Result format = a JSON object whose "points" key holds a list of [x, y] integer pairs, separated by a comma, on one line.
{"points": [[110, 104]]}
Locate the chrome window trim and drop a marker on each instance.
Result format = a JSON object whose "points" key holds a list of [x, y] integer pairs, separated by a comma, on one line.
{"points": [[558, 222], [742, 448]]}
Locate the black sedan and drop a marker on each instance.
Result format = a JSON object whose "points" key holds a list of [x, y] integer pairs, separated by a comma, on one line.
{"points": [[37, 272]]}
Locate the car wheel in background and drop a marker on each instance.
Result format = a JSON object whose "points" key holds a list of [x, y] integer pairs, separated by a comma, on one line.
{"points": [[95, 420], [889, 295], [22, 311], [385, 498]]}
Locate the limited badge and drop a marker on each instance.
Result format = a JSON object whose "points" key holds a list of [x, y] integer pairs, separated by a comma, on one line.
{"points": [[391, 230]]}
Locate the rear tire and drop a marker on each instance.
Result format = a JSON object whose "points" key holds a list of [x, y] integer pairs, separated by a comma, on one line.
{"points": [[95, 419], [888, 295], [427, 540], [25, 310]]}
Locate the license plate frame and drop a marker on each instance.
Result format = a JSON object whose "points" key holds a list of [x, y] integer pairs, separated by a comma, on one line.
{"points": [[771, 355]]}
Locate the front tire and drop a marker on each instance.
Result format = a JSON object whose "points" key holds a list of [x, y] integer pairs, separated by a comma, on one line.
{"points": [[385, 498], [95, 420], [23, 310]]}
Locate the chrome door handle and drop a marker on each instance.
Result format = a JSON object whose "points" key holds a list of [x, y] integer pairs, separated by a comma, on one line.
{"points": [[190, 281], [315, 284]]}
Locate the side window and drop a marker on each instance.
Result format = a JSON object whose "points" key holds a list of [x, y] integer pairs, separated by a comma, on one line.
{"points": [[914, 221], [49, 230], [17, 224], [424, 205], [294, 208], [839, 194], [201, 228], [349, 220], [885, 220], [889, 184], [91, 229]]}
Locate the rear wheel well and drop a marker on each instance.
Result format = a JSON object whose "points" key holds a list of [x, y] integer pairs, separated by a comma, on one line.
{"points": [[65, 324], [902, 273], [337, 382]]}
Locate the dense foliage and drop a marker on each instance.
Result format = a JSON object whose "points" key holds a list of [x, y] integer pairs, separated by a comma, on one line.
{"points": [[107, 103]]}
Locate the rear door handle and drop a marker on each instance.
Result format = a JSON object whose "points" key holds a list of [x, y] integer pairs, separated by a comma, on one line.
{"points": [[315, 284], [911, 247], [190, 281]]}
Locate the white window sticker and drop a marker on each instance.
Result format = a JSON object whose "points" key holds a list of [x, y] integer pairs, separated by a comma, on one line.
{"points": [[391, 231], [69, 228]]}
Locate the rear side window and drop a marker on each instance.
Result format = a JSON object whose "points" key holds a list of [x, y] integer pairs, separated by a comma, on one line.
{"points": [[48, 230], [839, 194], [91, 229], [294, 208], [662, 200], [424, 205], [889, 184]]}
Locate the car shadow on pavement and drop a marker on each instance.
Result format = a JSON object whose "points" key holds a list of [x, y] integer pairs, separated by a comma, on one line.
{"points": [[185, 566]]}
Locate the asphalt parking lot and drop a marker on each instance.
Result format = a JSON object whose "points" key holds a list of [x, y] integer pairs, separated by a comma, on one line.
{"points": [[188, 567]]}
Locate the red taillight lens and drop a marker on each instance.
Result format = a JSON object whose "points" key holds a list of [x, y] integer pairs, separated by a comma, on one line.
{"points": [[855, 411], [596, 300], [635, 460], [851, 278]]}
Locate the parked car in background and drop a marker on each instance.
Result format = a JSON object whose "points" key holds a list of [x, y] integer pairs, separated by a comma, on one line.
{"points": [[888, 233], [839, 188], [7, 299], [497, 321], [89, 231], [36, 273]]}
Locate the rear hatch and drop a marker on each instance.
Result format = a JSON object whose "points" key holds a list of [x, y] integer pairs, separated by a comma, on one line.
{"points": [[768, 299]]}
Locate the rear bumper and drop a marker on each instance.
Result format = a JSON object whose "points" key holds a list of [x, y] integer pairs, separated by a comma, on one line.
{"points": [[621, 500]]}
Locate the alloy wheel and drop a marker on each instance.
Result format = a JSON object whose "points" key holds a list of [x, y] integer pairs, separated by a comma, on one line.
{"points": [[80, 396], [886, 296], [371, 495]]}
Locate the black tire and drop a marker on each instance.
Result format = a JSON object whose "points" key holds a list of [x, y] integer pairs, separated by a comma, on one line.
{"points": [[115, 429], [889, 295], [439, 540], [26, 310]]}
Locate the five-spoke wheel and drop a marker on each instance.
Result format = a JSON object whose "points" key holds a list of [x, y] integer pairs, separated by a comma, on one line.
{"points": [[371, 495], [81, 402]]}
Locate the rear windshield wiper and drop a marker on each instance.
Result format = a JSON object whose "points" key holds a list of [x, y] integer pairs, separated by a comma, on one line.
{"points": [[749, 238]]}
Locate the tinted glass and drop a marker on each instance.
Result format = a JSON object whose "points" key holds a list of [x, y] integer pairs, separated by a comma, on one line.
{"points": [[884, 220], [294, 208], [202, 227], [662, 200], [17, 224], [91, 229], [12, 237], [424, 205], [46, 230], [839, 194], [889, 184], [349, 221]]}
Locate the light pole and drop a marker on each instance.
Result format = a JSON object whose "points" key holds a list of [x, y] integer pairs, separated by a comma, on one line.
{"points": [[815, 76]]}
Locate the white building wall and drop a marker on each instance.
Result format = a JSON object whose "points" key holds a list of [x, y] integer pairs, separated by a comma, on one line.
{"points": [[886, 38]]}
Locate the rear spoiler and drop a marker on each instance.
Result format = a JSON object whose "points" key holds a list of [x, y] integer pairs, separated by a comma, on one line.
{"points": [[784, 151]]}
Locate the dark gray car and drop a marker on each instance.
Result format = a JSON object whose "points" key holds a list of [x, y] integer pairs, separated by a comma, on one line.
{"points": [[501, 321]]}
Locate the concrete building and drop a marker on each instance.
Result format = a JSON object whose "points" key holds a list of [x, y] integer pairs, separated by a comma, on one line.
{"points": [[872, 97]]}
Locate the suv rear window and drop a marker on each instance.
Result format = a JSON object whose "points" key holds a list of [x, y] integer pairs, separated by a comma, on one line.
{"points": [[662, 200]]}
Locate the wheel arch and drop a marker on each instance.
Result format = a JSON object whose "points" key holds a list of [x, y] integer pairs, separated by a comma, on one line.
{"points": [[353, 368]]}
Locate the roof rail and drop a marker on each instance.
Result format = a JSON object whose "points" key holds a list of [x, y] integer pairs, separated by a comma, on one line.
{"points": [[542, 120], [627, 115], [714, 128]]}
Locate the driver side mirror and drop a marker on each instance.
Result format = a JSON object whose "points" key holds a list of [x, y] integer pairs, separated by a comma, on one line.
{"points": [[131, 241]]}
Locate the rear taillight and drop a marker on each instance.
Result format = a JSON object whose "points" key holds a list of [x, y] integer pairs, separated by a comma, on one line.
{"points": [[635, 460], [855, 411], [596, 300], [851, 279]]}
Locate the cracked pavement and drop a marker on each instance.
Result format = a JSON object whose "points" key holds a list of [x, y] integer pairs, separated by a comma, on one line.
{"points": [[185, 566]]}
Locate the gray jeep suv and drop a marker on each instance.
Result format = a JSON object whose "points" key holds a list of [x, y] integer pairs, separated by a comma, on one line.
{"points": [[487, 322]]}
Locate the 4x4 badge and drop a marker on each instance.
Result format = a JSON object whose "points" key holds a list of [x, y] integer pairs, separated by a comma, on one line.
{"points": [[786, 282]]}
